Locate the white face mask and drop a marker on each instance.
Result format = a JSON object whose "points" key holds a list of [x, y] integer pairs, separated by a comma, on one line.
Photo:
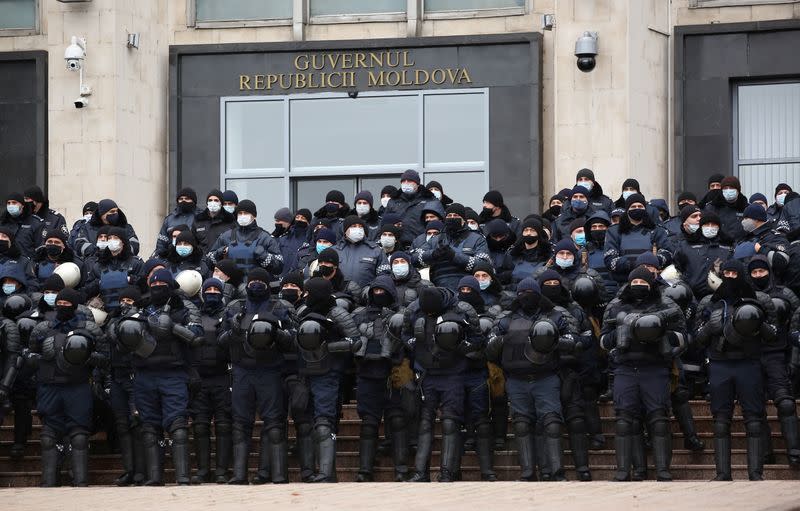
{"points": [[101, 244], [627, 193], [362, 209], [437, 194], [388, 242], [408, 187], [213, 206], [586, 184], [244, 220], [400, 270], [220, 276], [385, 201], [50, 299], [710, 232], [692, 228], [484, 284], [114, 245], [564, 263], [230, 209], [87, 217], [473, 226], [780, 199], [730, 194], [355, 234]]}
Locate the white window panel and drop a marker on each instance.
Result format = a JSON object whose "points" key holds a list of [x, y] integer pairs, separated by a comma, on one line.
{"points": [[468, 188], [254, 135], [455, 128], [17, 14], [350, 7], [239, 10], [470, 5], [268, 194], [764, 178], [769, 121]]}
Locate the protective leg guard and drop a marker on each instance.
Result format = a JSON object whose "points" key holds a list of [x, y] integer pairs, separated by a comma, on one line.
{"points": [[579, 444], [139, 458], [483, 447], [755, 454], [305, 451], [722, 448], [638, 454], [525, 449], [125, 440], [451, 450], [202, 451], [241, 454], [47, 441], [662, 444], [179, 434], [591, 412], [367, 445], [278, 455], [422, 459], [23, 425], [608, 395], [326, 454], [224, 451], [399, 439], [539, 451], [552, 445], [79, 441], [623, 447], [787, 413], [263, 474], [500, 422], [683, 414], [153, 459]]}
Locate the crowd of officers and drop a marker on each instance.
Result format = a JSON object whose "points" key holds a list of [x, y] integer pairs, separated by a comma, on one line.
{"points": [[415, 308]]}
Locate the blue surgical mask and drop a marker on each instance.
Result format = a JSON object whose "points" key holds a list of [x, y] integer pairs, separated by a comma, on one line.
{"points": [[579, 205], [183, 250], [586, 184], [627, 193], [564, 263], [321, 247], [50, 299], [400, 270], [580, 239], [730, 194], [780, 199], [229, 208], [484, 284], [14, 209], [8, 289]]}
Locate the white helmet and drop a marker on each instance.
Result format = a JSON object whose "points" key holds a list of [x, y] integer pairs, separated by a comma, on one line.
{"points": [[671, 274], [99, 315], [713, 280], [190, 282], [69, 273]]}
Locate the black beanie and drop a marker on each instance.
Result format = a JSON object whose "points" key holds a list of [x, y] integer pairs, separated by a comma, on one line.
{"points": [[232, 270], [715, 178], [709, 217], [585, 173], [305, 213], [90, 206], [494, 197], [335, 196], [782, 186], [350, 221], [214, 193], [631, 183], [188, 192], [688, 211], [72, 296], [53, 283], [431, 300], [634, 198], [294, 277], [388, 189], [249, 207], [329, 255], [131, 292], [259, 274], [35, 193], [319, 288], [686, 196], [578, 222], [640, 272], [458, 209]]}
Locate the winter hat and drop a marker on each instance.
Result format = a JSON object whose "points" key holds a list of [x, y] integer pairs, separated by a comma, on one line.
{"points": [[758, 197], [388, 189], [284, 215], [329, 255], [532, 223], [305, 213], [435, 224], [688, 211], [585, 173], [617, 212], [54, 282], [72, 296], [529, 284], [214, 193], [133, 293], [578, 222], [755, 212], [496, 227], [470, 282], [410, 175], [163, 275], [731, 181], [258, 273], [230, 196], [709, 217], [334, 196], [758, 261], [686, 196], [744, 250], [399, 255], [188, 237], [782, 186], [633, 199], [293, 277], [364, 195], [232, 270], [566, 244], [249, 207], [458, 209], [578, 189], [640, 272], [35, 193], [494, 198], [548, 275], [187, 192], [715, 178], [392, 218], [90, 206], [648, 258], [392, 229], [631, 183], [325, 234], [212, 282], [55, 233], [350, 221], [104, 206]]}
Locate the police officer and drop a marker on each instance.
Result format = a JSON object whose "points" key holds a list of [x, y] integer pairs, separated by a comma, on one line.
{"points": [[247, 244], [499, 238], [54, 252], [257, 330], [647, 331], [211, 399], [494, 208], [697, 253], [407, 279], [531, 251], [10, 351], [66, 349], [88, 209], [211, 221], [333, 211], [39, 205], [20, 387], [24, 225], [186, 255], [107, 214], [734, 321], [577, 207], [378, 354], [183, 214], [441, 331], [14, 263], [114, 267], [293, 240], [362, 208], [324, 336], [729, 204], [525, 344], [161, 378], [359, 257], [408, 202]]}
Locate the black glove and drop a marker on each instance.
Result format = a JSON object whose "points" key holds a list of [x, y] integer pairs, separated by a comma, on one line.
{"points": [[715, 322], [236, 324], [438, 253], [566, 344], [4, 391]]}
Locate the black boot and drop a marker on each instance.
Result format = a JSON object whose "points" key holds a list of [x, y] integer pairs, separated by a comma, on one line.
{"points": [[49, 446], [278, 455], [422, 459], [451, 450], [202, 452], [241, 454], [552, 446], [153, 457], [767, 452], [263, 474], [541, 453], [755, 453], [139, 458], [399, 439], [305, 451], [180, 453], [125, 441], [483, 447], [789, 429], [623, 448], [579, 444], [638, 454], [224, 451], [500, 421], [662, 445], [591, 412], [367, 444], [722, 449], [326, 453], [683, 414], [79, 442], [23, 425], [523, 434], [608, 395]]}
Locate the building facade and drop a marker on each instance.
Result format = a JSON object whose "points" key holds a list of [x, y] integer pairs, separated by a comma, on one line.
{"points": [[283, 100]]}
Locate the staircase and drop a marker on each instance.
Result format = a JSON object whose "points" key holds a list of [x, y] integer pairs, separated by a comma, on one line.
{"points": [[104, 466]]}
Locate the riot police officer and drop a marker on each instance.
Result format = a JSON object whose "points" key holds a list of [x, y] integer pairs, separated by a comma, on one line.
{"points": [[19, 385], [257, 330], [66, 349], [647, 331], [247, 244], [113, 268]]}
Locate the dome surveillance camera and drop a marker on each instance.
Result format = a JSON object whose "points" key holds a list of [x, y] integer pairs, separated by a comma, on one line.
{"points": [[586, 51], [75, 53]]}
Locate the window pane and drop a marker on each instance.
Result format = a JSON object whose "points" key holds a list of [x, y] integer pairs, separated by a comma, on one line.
{"points": [[374, 184], [310, 193], [374, 131], [455, 128], [763, 178], [267, 193], [467, 188], [234, 10], [254, 135], [769, 121], [329, 7], [17, 14], [468, 5]]}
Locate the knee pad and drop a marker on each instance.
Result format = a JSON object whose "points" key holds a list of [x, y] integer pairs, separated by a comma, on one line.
{"points": [[753, 428], [303, 429], [484, 430], [276, 435], [79, 440], [149, 429], [122, 425], [370, 421], [323, 421], [624, 426], [577, 425], [201, 429], [551, 424], [786, 406], [179, 435], [397, 422], [47, 439], [425, 426], [522, 427], [323, 432], [179, 423], [223, 428], [450, 426], [722, 428]]}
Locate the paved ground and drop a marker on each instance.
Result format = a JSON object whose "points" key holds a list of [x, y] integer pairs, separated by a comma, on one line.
{"points": [[597, 496]]}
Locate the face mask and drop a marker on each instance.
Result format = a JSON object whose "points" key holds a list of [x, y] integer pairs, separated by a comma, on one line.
{"points": [[780, 199], [408, 188], [381, 300], [627, 193], [65, 312], [229, 208], [730, 194], [50, 299], [212, 300], [761, 283], [331, 208], [551, 292], [692, 228], [355, 234], [186, 207], [9, 289], [452, 224], [579, 205], [87, 217], [290, 295], [159, 295], [487, 211], [326, 271], [321, 247], [112, 219], [564, 263], [400, 270], [213, 206], [598, 237], [749, 225], [530, 240], [101, 245], [257, 290], [484, 284], [114, 245], [387, 242], [385, 201], [301, 224], [555, 210], [437, 194], [220, 276], [244, 220], [639, 291], [586, 184], [14, 209], [428, 237], [471, 298], [637, 215], [362, 209], [53, 250], [473, 226], [184, 250], [710, 232], [529, 301], [580, 239]]}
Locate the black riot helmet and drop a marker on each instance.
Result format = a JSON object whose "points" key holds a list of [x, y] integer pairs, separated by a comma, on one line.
{"points": [[448, 335], [75, 352], [543, 340], [26, 326], [16, 305], [260, 336], [782, 309], [680, 294], [310, 335], [648, 328], [486, 325], [585, 292], [133, 335], [747, 319]]}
